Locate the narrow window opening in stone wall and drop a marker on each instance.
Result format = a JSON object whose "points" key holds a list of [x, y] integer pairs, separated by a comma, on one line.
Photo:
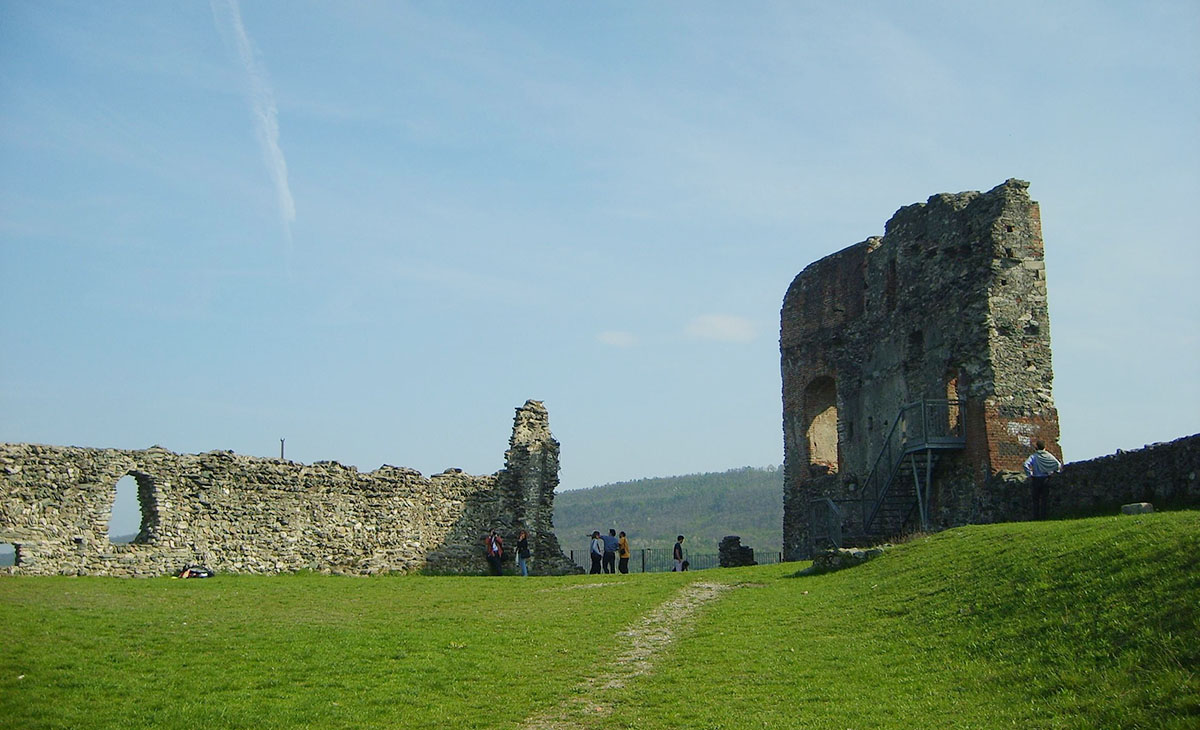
{"points": [[889, 286], [820, 408], [916, 347], [1008, 229], [953, 417], [130, 511], [1009, 253], [9, 554]]}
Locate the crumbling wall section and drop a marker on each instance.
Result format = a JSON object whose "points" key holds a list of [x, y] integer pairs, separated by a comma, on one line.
{"points": [[243, 514], [950, 303]]}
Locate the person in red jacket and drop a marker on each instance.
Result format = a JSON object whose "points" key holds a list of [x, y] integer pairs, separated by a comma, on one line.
{"points": [[494, 549]]}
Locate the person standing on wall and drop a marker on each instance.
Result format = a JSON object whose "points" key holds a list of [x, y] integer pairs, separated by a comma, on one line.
{"points": [[597, 552], [623, 554], [677, 555], [610, 551], [495, 552], [1038, 467], [523, 553]]}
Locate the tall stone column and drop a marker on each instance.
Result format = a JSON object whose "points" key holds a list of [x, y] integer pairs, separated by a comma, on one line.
{"points": [[527, 485]]}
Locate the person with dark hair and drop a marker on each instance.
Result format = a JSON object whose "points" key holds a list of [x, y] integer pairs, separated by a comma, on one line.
{"points": [[597, 551], [610, 551], [494, 549], [677, 555], [523, 553], [623, 554], [1038, 467]]}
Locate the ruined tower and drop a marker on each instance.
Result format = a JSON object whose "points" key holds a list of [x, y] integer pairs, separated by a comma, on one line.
{"points": [[916, 367], [528, 482]]}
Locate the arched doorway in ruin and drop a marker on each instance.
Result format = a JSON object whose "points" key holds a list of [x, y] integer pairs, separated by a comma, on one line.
{"points": [[821, 423], [134, 512]]}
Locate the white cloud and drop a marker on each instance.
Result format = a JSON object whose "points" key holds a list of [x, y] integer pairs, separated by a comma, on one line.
{"points": [[722, 328], [264, 112], [615, 338]]}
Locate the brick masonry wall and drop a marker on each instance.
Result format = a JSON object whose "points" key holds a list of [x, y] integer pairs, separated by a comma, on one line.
{"points": [[243, 514]]}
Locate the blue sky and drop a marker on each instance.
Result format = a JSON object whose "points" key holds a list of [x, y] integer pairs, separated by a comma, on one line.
{"points": [[374, 229]]}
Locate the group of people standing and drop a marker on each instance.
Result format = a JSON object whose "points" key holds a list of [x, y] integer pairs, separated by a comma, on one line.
{"points": [[610, 553], [493, 549]]}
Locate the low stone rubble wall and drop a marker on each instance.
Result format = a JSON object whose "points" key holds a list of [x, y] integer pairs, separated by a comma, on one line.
{"points": [[244, 514]]}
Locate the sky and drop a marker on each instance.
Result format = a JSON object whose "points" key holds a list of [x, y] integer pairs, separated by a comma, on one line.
{"points": [[374, 229]]}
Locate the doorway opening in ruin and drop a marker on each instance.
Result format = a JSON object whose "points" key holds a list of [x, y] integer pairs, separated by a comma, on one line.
{"points": [[132, 510], [820, 409], [10, 554], [954, 416]]}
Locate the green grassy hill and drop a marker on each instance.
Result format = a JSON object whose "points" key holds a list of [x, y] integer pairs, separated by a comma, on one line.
{"points": [[747, 502], [1073, 624]]}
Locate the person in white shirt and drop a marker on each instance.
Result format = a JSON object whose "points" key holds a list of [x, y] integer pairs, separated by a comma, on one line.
{"points": [[1038, 467]]}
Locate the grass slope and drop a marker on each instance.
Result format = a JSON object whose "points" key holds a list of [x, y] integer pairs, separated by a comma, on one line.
{"points": [[1080, 624], [747, 502], [1074, 624]]}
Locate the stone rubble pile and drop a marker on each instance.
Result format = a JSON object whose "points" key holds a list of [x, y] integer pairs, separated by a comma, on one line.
{"points": [[733, 554]]}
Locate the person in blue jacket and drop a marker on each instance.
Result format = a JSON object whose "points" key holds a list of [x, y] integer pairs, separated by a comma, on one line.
{"points": [[597, 551], [610, 551]]}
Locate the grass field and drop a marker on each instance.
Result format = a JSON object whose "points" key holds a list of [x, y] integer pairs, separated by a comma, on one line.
{"points": [[1074, 624]]}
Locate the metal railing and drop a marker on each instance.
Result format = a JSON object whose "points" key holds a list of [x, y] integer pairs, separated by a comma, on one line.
{"points": [[825, 523], [660, 560], [926, 424]]}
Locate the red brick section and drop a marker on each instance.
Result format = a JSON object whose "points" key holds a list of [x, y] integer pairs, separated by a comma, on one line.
{"points": [[1011, 439]]}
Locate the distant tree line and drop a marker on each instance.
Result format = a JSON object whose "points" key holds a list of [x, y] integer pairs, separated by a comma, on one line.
{"points": [[747, 502]]}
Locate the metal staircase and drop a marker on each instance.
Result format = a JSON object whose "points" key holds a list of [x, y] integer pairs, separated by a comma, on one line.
{"points": [[895, 495]]}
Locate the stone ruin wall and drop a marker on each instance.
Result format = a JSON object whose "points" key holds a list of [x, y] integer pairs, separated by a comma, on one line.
{"points": [[950, 303], [1164, 474], [241, 514]]}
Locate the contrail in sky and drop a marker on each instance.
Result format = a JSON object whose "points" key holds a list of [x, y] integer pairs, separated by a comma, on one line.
{"points": [[262, 108]]}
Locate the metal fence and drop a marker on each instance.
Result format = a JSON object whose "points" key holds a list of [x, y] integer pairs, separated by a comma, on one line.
{"points": [[660, 560]]}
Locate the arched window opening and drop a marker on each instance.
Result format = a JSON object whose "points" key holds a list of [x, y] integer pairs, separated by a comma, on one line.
{"points": [[126, 517], [820, 408], [133, 512]]}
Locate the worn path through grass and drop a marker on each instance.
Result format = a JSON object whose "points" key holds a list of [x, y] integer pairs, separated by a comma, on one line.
{"points": [[641, 644]]}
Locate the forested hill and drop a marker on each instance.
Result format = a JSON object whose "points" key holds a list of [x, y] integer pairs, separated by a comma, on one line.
{"points": [[747, 502]]}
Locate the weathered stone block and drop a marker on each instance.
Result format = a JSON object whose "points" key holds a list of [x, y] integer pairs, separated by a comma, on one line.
{"points": [[1137, 508]]}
